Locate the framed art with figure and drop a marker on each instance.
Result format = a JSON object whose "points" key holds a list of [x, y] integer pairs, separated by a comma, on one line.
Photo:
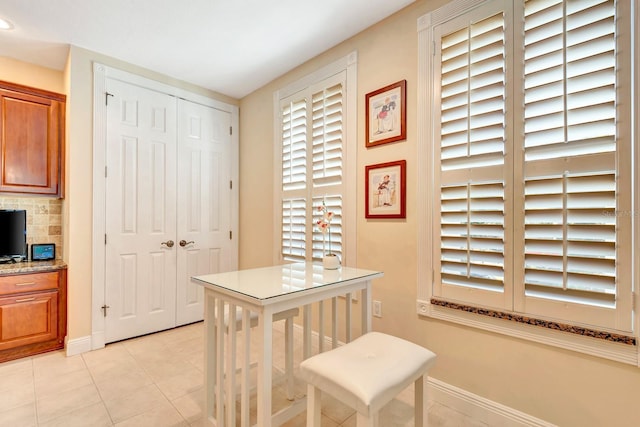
{"points": [[385, 190], [386, 114]]}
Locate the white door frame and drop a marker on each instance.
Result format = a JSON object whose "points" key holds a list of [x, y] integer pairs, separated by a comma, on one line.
{"points": [[100, 74]]}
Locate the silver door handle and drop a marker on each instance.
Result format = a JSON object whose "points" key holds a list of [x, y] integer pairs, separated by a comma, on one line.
{"points": [[168, 243], [184, 243]]}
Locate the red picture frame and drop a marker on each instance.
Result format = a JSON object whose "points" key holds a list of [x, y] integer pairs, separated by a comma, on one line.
{"points": [[386, 190], [386, 114]]}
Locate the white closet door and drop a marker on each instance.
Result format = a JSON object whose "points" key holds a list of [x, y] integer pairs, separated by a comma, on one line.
{"points": [[204, 202], [140, 265]]}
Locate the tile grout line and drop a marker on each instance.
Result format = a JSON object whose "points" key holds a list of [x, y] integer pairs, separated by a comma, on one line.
{"points": [[95, 384]]}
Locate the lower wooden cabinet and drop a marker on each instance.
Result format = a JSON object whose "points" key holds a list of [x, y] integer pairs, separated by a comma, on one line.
{"points": [[33, 313]]}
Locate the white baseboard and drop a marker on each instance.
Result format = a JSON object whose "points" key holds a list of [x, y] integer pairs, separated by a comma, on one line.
{"points": [[78, 346], [479, 408]]}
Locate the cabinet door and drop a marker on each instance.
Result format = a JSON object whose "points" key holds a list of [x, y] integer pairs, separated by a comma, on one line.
{"points": [[30, 143], [28, 319]]}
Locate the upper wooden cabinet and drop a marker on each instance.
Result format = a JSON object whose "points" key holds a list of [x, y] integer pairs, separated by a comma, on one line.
{"points": [[31, 140]]}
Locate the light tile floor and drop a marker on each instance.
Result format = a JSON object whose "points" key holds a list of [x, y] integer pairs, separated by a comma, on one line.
{"points": [[155, 381]]}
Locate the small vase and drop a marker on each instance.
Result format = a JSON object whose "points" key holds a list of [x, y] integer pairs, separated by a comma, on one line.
{"points": [[331, 262]]}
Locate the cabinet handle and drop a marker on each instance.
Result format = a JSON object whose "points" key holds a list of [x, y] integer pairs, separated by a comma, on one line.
{"points": [[26, 284], [26, 299]]}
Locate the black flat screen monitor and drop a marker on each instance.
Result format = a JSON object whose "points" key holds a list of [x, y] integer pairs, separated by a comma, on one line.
{"points": [[13, 233]]}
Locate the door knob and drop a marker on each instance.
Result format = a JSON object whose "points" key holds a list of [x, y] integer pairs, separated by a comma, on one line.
{"points": [[168, 243], [184, 243]]}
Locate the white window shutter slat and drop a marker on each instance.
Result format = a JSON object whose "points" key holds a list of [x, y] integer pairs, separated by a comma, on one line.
{"points": [[327, 125], [294, 145], [294, 229]]}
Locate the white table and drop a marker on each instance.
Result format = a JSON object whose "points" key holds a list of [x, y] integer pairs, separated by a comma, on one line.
{"points": [[267, 291]]}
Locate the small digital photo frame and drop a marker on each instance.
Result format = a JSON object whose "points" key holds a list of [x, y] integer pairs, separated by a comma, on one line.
{"points": [[43, 251]]}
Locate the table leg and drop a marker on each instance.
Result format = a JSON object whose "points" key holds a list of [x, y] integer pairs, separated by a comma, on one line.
{"points": [[246, 362], [288, 368], [209, 356], [347, 317], [265, 340], [231, 366], [219, 363], [334, 322], [306, 333], [366, 308], [320, 326]]}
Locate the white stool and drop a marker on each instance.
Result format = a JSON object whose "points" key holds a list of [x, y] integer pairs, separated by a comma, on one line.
{"points": [[366, 374]]}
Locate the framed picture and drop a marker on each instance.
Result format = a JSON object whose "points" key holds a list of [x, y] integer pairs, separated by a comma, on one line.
{"points": [[385, 186], [386, 114]]}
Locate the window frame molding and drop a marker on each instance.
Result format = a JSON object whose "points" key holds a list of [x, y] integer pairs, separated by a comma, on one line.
{"points": [[624, 353], [348, 64]]}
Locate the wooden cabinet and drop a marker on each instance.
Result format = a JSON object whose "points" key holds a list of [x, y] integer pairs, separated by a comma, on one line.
{"points": [[31, 140], [33, 313]]}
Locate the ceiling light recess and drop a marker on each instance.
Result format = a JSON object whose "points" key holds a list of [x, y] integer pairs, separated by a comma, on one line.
{"points": [[5, 25]]}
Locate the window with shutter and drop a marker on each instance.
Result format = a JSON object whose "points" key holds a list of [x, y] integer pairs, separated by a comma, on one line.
{"points": [[531, 142], [313, 134]]}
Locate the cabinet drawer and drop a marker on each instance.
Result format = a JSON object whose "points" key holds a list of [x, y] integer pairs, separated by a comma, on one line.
{"points": [[20, 283], [28, 319]]}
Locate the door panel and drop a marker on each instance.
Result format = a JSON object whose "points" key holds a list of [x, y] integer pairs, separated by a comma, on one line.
{"points": [[140, 273], [204, 202]]}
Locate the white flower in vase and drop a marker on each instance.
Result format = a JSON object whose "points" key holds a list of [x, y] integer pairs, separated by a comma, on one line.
{"points": [[330, 260]]}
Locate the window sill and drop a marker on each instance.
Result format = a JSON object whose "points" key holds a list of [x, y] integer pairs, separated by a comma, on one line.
{"points": [[624, 352]]}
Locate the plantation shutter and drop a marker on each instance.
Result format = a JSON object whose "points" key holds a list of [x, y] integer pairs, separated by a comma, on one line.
{"points": [[294, 179], [328, 130], [570, 167], [472, 181], [312, 169]]}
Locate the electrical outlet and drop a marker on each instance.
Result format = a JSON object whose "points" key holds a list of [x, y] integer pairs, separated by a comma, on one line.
{"points": [[377, 308]]}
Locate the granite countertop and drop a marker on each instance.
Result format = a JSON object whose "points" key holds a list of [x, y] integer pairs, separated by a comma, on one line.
{"points": [[31, 267]]}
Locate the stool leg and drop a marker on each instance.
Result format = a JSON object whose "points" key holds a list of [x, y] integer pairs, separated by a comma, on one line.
{"points": [[288, 358], [313, 406], [420, 403]]}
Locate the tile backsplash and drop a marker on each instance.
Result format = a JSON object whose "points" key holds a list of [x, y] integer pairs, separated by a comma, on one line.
{"points": [[44, 219]]}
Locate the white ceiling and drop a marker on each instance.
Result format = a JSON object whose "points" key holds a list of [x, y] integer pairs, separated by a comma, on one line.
{"points": [[229, 46]]}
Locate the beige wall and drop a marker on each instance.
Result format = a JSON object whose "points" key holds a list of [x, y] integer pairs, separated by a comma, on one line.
{"points": [[558, 386], [31, 75]]}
